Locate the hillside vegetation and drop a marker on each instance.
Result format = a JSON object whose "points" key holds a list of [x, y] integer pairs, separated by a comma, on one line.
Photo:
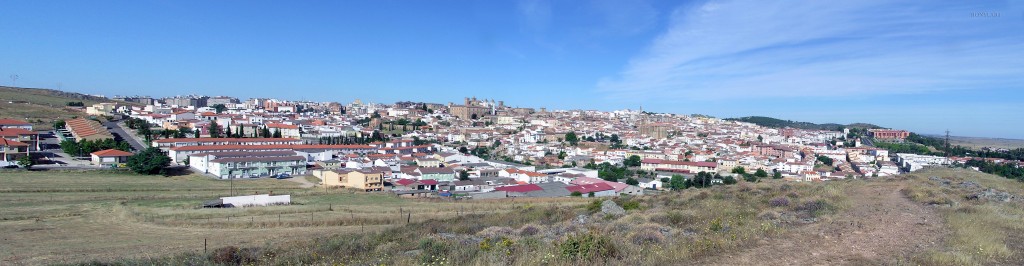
{"points": [[779, 123], [926, 218], [76, 216], [930, 217], [43, 106]]}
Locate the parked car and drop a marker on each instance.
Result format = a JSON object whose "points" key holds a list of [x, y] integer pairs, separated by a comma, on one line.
{"points": [[283, 176]]}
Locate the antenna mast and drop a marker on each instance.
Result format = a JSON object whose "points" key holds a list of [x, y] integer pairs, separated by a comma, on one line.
{"points": [[947, 142]]}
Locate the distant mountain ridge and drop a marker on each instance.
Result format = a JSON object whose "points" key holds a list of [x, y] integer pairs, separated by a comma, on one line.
{"points": [[779, 123]]}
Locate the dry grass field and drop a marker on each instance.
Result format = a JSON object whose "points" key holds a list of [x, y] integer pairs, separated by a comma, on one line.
{"points": [[72, 217], [43, 106], [930, 217]]}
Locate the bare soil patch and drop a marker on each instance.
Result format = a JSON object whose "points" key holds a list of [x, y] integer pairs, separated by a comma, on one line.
{"points": [[880, 226]]}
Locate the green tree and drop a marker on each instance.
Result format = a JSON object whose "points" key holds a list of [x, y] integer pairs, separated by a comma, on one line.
{"points": [[463, 175], [571, 138], [561, 155], [776, 174], [678, 182], [825, 160], [227, 132], [761, 173], [220, 108], [614, 139], [759, 138], [26, 161], [632, 181], [728, 180], [739, 170], [214, 129], [576, 194], [633, 160], [148, 162], [277, 133], [702, 180], [749, 177]]}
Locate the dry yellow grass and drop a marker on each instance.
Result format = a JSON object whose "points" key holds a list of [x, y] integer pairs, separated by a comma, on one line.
{"points": [[70, 217]]}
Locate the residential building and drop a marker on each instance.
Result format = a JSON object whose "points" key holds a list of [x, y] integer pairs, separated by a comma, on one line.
{"points": [[368, 179], [14, 123], [110, 157]]}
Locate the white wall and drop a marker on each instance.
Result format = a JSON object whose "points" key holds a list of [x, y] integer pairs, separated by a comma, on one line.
{"points": [[257, 200]]}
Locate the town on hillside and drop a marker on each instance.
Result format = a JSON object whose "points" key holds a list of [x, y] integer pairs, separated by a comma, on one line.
{"points": [[476, 148]]}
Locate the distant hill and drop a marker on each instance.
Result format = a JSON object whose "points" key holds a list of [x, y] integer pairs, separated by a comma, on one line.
{"points": [[43, 106], [779, 123]]}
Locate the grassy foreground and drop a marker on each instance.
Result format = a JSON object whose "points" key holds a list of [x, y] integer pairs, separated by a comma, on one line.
{"points": [[78, 216], [689, 226], [122, 219]]}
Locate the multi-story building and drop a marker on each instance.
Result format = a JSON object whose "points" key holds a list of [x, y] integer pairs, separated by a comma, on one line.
{"points": [[184, 101], [225, 100], [888, 134], [369, 179], [251, 164]]}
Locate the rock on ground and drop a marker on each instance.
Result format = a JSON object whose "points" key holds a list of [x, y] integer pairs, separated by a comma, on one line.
{"points": [[609, 207]]}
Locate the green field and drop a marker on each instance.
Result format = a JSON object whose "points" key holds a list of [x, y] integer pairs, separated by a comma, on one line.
{"points": [[68, 217]]}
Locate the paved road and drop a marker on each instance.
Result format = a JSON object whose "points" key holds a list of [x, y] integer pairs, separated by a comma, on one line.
{"points": [[120, 132]]}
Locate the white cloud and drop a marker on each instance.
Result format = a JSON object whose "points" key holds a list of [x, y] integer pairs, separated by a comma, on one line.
{"points": [[746, 49]]}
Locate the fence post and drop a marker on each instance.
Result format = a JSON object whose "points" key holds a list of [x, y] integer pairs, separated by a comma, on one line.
{"points": [[204, 246], [409, 219]]}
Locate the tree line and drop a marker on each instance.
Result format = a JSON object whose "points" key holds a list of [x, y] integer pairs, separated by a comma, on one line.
{"points": [[86, 147]]}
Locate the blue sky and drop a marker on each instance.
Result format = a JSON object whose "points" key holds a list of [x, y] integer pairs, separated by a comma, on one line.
{"points": [[925, 66]]}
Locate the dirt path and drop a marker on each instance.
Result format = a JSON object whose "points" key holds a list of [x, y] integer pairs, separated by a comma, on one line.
{"points": [[878, 227], [302, 181]]}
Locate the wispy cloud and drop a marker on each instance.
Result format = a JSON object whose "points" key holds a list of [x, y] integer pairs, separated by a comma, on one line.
{"points": [[535, 14], [746, 49]]}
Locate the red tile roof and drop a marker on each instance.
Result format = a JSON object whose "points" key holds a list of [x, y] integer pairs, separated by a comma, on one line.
{"points": [[596, 187], [267, 147], [276, 125], [13, 122], [112, 153], [241, 140], [520, 188], [11, 143], [700, 164], [11, 132]]}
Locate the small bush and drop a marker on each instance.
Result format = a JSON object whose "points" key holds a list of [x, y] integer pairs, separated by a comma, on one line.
{"points": [[587, 247], [816, 207], [232, 255], [529, 230], [631, 205], [644, 237], [594, 206], [779, 202]]}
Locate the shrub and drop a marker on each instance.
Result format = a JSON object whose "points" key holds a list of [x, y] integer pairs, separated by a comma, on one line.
{"points": [[232, 255], [576, 194], [631, 205], [529, 230], [779, 202], [816, 207], [594, 206], [643, 237], [587, 247]]}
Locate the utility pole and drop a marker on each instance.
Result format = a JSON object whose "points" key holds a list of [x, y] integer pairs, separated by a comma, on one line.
{"points": [[14, 80], [947, 142]]}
